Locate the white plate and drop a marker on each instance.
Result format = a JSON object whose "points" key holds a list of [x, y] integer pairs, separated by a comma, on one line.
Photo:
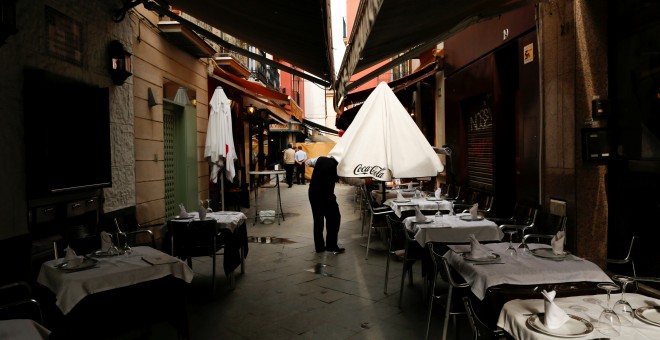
{"points": [[428, 220], [649, 314], [469, 218], [405, 200], [491, 257], [86, 264], [434, 199], [184, 218], [547, 253], [573, 328]]}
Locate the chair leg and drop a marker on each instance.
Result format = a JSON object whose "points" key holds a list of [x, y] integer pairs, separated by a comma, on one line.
{"points": [[242, 252], [447, 311], [213, 277], [387, 266], [430, 309], [366, 257], [403, 278], [410, 275], [232, 280]]}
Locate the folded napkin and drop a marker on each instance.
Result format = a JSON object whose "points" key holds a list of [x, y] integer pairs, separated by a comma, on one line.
{"points": [[183, 213], [419, 217], [70, 253], [106, 241], [202, 211], [410, 186], [478, 250], [474, 211], [558, 243], [72, 260], [554, 317], [399, 197], [438, 193]]}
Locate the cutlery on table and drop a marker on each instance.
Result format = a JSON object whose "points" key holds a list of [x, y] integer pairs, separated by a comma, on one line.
{"points": [[485, 263]]}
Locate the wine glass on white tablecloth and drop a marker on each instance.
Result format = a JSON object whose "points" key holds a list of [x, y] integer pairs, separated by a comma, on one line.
{"points": [[622, 307], [609, 323]]}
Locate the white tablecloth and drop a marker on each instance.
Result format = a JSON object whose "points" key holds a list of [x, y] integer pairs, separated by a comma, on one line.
{"points": [[22, 329], [513, 321], [110, 273], [422, 203], [523, 270], [389, 193], [225, 219], [453, 229]]}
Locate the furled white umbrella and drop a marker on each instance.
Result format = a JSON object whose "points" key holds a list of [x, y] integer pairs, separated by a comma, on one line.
{"points": [[383, 142], [219, 150]]}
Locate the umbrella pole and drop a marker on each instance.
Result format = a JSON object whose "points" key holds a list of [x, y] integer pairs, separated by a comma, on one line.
{"points": [[222, 188], [384, 191]]}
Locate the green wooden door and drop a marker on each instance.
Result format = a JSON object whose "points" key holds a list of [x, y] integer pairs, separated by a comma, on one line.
{"points": [[180, 144]]}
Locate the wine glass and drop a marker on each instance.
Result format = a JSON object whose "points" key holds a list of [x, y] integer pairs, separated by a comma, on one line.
{"points": [[608, 322], [438, 214], [511, 250], [125, 249], [523, 245], [622, 307], [208, 205]]}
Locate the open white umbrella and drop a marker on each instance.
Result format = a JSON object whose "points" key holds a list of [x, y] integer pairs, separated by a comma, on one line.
{"points": [[383, 142], [219, 150]]}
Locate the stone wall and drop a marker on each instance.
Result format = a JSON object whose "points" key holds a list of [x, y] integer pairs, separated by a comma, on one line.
{"points": [[28, 49]]}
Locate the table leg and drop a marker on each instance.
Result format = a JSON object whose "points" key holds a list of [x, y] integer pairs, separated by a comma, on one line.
{"points": [[279, 202], [256, 200]]}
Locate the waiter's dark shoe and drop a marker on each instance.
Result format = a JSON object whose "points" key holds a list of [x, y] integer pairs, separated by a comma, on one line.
{"points": [[337, 250]]}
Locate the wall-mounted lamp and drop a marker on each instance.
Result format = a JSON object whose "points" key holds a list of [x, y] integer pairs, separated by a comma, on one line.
{"points": [[120, 62], [151, 100], [250, 109]]}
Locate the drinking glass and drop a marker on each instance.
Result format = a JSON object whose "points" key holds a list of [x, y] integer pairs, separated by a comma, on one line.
{"points": [[438, 214], [622, 307], [208, 205], [608, 322], [511, 250], [523, 245], [125, 249]]}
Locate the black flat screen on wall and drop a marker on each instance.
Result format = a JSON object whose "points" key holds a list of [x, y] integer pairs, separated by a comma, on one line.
{"points": [[67, 135]]}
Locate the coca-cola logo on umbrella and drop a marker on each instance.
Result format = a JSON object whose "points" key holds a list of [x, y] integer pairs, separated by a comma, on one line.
{"points": [[371, 170]]}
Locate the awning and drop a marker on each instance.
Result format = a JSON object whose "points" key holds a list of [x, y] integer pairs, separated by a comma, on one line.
{"points": [[253, 89], [185, 39], [314, 126], [406, 28], [396, 85], [297, 31]]}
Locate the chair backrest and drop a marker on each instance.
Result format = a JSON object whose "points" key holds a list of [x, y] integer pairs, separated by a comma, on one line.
{"points": [[441, 266], [195, 238]]}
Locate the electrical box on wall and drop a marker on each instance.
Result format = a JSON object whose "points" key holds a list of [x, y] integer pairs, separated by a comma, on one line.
{"points": [[595, 144]]}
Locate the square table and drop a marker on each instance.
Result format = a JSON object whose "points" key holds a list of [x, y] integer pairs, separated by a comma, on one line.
{"points": [[236, 247], [452, 229], [126, 289], [278, 207], [513, 320], [521, 269], [423, 203]]}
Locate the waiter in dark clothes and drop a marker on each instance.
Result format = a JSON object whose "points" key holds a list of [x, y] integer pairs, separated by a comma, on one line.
{"points": [[325, 209]]}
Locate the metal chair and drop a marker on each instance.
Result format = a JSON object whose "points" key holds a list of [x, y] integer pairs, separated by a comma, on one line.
{"points": [[626, 260], [523, 219], [374, 211], [194, 238], [479, 328], [441, 266], [16, 302], [396, 228], [413, 252], [560, 224]]}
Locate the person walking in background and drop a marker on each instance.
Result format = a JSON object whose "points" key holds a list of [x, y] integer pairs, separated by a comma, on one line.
{"points": [[289, 163], [300, 157], [325, 210]]}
